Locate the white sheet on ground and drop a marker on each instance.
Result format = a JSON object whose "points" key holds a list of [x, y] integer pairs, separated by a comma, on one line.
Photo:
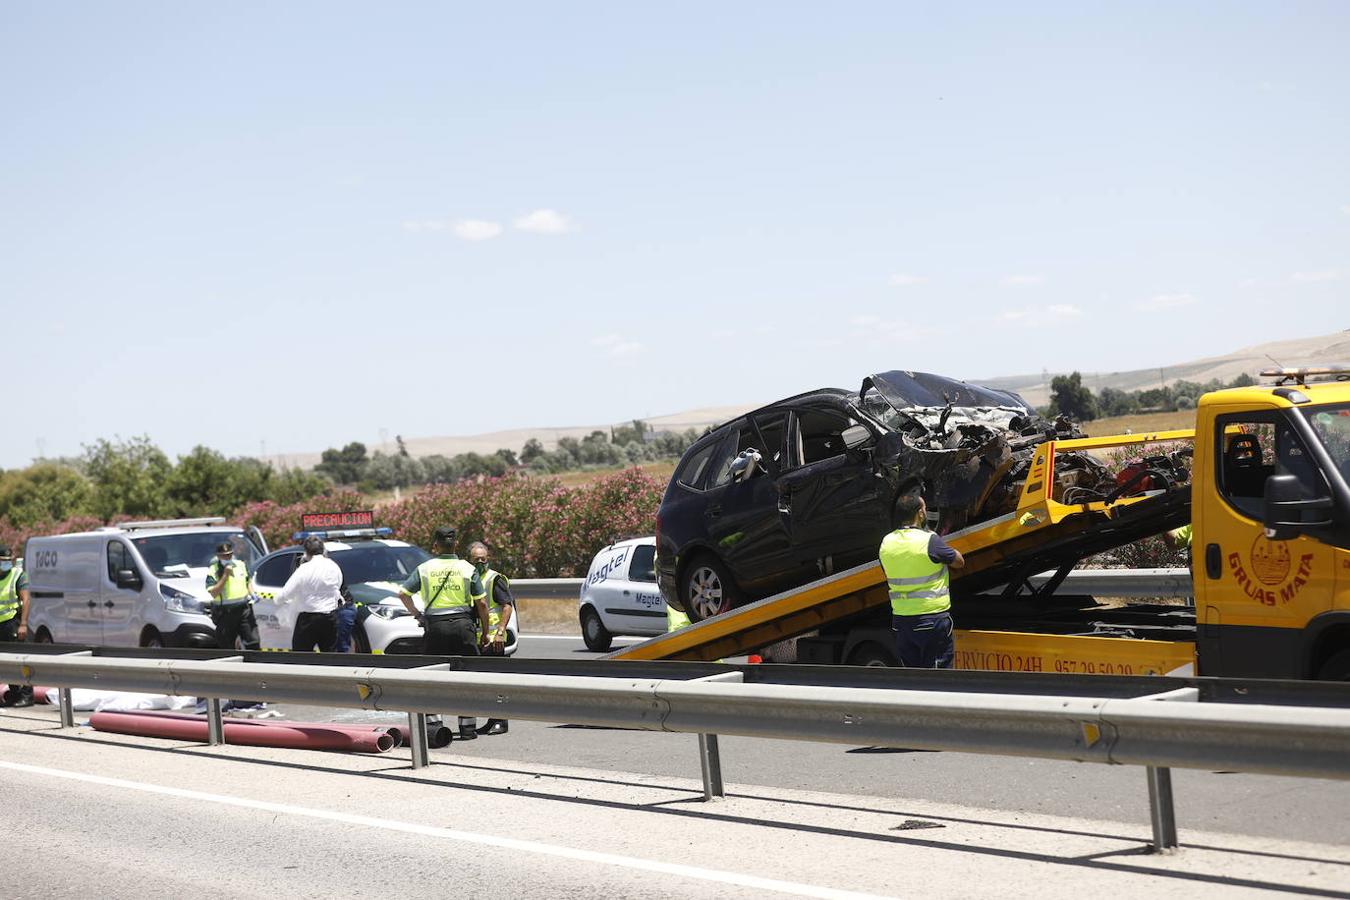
{"points": [[120, 701]]}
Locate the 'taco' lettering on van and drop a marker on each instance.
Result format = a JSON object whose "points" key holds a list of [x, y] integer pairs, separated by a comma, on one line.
{"points": [[45, 559]]}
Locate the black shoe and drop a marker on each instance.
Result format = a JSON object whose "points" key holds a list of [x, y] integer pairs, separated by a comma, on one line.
{"points": [[494, 726], [22, 701]]}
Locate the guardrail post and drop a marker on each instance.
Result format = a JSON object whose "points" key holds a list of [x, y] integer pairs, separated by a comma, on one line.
{"points": [[417, 740], [67, 711], [215, 725], [711, 762], [1161, 810]]}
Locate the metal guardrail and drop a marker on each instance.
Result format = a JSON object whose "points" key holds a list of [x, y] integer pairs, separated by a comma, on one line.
{"points": [[1089, 582], [1122, 730]]}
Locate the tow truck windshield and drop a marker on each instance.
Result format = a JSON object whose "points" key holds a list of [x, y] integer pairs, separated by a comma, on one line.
{"points": [[1332, 426], [173, 554]]}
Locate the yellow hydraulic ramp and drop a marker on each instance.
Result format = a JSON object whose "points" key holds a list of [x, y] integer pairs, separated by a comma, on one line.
{"points": [[1040, 534]]}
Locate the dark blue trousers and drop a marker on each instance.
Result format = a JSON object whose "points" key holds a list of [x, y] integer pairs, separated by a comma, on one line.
{"points": [[924, 642]]}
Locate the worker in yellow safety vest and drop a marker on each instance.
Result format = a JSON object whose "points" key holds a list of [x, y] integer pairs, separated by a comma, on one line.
{"points": [[916, 564], [452, 599], [231, 600], [501, 609], [14, 619]]}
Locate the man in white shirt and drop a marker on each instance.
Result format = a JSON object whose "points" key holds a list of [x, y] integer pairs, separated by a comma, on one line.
{"points": [[316, 589]]}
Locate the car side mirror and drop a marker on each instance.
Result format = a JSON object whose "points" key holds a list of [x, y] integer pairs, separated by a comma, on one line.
{"points": [[1288, 511], [856, 436], [744, 466], [129, 578]]}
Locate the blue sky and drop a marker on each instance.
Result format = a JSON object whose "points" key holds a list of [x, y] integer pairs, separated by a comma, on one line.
{"points": [[302, 223]]}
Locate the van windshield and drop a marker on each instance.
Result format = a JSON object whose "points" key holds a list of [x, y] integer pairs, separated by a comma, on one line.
{"points": [[170, 555]]}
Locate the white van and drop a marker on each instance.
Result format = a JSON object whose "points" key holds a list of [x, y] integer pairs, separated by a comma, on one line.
{"points": [[136, 584], [619, 595]]}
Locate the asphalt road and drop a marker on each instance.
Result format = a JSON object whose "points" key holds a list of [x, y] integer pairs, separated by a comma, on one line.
{"points": [[1256, 805]]}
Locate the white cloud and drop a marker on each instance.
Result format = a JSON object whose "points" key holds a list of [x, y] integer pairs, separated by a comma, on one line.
{"points": [[900, 279], [1064, 310], [1030, 314], [476, 230], [1165, 301], [1022, 280], [544, 221], [1317, 276], [617, 345]]}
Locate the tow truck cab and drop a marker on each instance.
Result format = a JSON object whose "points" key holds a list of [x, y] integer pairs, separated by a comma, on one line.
{"points": [[1270, 509]]}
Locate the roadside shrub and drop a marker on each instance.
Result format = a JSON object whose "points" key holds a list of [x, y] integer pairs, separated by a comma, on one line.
{"points": [[278, 522]]}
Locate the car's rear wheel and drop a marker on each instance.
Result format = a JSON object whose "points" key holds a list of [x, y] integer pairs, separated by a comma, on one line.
{"points": [[43, 636], [706, 589], [594, 632]]}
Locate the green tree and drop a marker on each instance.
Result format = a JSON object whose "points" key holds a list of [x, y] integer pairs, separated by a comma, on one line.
{"points": [[345, 466], [1243, 380], [293, 485], [531, 451], [1070, 398], [205, 483], [384, 472], [42, 492], [129, 477], [1115, 402]]}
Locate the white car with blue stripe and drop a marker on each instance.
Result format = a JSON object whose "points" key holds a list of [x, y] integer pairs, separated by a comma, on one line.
{"points": [[619, 595]]}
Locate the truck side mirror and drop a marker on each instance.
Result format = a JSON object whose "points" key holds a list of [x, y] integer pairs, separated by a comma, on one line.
{"points": [[856, 436], [129, 578], [1288, 511]]}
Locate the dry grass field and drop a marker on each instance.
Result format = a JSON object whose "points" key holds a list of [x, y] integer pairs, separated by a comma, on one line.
{"points": [[1141, 423]]}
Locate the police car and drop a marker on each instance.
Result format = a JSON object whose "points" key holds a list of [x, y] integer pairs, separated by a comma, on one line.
{"points": [[619, 595], [374, 566]]}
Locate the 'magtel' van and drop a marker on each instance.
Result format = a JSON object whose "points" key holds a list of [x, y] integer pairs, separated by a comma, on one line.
{"points": [[136, 584]]}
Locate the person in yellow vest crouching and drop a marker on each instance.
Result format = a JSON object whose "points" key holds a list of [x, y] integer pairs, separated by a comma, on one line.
{"points": [[916, 564], [14, 619], [501, 607]]}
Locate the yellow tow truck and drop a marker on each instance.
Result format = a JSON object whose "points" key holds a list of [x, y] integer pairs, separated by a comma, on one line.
{"points": [[1269, 508]]}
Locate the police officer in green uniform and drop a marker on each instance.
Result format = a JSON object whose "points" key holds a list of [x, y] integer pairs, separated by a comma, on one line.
{"points": [[231, 607], [14, 619], [501, 608], [454, 606], [916, 562]]}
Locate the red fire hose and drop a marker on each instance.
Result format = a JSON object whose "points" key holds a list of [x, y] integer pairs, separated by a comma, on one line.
{"points": [[308, 736]]}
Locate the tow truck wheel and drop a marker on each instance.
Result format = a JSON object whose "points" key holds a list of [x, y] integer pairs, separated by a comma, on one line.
{"points": [[593, 631], [706, 590], [1336, 667], [872, 654]]}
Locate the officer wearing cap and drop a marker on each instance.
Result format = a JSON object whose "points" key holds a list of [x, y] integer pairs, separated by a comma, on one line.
{"points": [[14, 619], [454, 602], [231, 607], [454, 607]]}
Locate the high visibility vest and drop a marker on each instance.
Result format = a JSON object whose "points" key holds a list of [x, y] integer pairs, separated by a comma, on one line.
{"points": [[494, 608], [9, 594], [445, 585], [675, 620], [235, 576], [918, 586]]}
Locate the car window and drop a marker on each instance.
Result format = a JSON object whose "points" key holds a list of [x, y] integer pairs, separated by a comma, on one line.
{"points": [[117, 560], [378, 562], [746, 438], [696, 466], [643, 566], [820, 435], [773, 432], [276, 570], [1254, 446]]}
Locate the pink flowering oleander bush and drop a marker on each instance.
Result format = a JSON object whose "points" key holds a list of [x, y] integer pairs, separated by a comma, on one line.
{"points": [[536, 527]]}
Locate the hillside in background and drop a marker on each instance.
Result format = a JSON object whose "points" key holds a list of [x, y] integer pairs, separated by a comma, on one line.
{"points": [[1328, 348]]}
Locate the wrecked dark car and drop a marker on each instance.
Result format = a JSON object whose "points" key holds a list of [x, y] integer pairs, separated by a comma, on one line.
{"points": [[804, 487]]}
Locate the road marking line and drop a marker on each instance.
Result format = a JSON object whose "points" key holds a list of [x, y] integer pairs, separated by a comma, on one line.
{"points": [[468, 837]]}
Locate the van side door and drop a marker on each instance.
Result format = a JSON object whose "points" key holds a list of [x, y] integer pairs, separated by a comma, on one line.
{"points": [[276, 621], [117, 603]]}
